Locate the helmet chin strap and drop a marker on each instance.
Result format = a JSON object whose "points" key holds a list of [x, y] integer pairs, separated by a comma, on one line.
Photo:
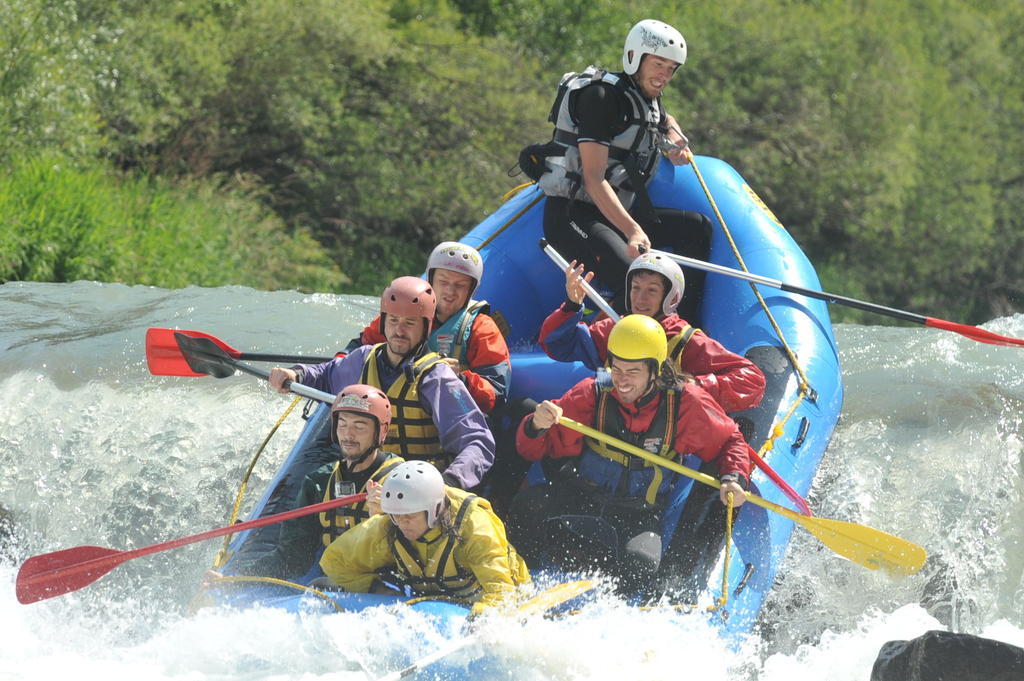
{"points": [[352, 463]]}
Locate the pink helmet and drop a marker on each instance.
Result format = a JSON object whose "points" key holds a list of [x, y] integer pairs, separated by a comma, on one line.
{"points": [[364, 400], [408, 297]]}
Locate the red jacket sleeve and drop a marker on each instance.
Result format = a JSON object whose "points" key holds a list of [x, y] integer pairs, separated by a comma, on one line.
{"points": [[599, 331], [733, 381], [557, 442], [704, 429], [489, 364], [371, 335]]}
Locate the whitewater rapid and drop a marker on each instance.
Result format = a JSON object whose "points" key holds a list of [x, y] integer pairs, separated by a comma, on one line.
{"points": [[94, 450]]}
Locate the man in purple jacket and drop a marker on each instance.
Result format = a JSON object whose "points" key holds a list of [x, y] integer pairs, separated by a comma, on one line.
{"points": [[434, 418]]}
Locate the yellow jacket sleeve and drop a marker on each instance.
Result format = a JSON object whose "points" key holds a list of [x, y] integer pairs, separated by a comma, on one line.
{"points": [[352, 560], [494, 562]]}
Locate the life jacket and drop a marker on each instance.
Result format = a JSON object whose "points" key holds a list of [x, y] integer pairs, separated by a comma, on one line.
{"points": [[337, 520], [617, 473], [633, 150], [451, 338], [437, 571], [677, 343], [413, 434]]}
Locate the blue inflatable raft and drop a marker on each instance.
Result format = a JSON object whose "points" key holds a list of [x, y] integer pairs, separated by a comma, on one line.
{"points": [[793, 345]]}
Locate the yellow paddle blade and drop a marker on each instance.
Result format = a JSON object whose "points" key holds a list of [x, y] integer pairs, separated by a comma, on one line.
{"points": [[556, 595], [865, 546]]}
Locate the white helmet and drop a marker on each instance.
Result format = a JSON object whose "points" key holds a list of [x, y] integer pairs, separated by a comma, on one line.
{"points": [[457, 257], [412, 487], [652, 37], [653, 261]]}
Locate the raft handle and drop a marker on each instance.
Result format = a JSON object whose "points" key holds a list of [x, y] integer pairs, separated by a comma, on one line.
{"points": [[805, 425]]}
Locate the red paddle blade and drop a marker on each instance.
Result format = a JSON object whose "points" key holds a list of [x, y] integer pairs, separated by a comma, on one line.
{"points": [[164, 356], [974, 332], [60, 572]]}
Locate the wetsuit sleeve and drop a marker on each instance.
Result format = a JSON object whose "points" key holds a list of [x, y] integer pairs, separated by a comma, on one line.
{"points": [[460, 425], [371, 335], [704, 429], [352, 560], [485, 551], [490, 367], [557, 442], [597, 113], [733, 381], [565, 338]]}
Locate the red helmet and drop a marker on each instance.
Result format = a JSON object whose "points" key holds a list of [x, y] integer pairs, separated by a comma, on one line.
{"points": [[409, 297], [364, 400]]}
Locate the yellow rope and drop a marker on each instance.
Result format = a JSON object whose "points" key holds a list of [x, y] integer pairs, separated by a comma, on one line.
{"points": [[804, 384], [494, 235], [778, 428], [279, 582], [515, 190], [223, 555], [724, 598]]}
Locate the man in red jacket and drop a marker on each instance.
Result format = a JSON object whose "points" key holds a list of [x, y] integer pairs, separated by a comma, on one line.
{"points": [[654, 287], [606, 507], [463, 333]]}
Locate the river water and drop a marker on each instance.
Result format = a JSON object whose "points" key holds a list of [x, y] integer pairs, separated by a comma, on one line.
{"points": [[94, 450]]}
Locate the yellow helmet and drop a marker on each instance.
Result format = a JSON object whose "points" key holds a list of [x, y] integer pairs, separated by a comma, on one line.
{"points": [[636, 337]]}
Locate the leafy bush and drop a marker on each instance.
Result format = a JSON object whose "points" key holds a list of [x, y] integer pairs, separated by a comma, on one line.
{"points": [[64, 223], [884, 134]]}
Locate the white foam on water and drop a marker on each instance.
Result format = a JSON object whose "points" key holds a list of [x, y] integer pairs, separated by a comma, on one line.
{"points": [[95, 450]]}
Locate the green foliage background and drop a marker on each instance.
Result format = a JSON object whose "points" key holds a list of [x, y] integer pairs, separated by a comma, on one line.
{"points": [[328, 144]]}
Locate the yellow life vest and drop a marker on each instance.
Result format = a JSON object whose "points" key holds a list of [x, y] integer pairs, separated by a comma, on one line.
{"points": [[337, 520], [430, 567], [413, 434], [677, 343], [633, 475]]}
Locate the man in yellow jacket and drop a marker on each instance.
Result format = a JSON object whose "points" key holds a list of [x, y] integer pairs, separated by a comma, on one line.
{"points": [[435, 540]]}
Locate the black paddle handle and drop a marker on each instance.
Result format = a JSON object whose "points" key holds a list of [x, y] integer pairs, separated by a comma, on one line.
{"points": [[295, 359], [854, 303]]}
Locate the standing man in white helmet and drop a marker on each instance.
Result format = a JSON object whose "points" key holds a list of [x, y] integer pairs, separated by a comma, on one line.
{"points": [[609, 128], [463, 333]]}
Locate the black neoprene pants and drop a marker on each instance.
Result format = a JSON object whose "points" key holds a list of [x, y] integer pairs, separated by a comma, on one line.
{"points": [[579, 231]]}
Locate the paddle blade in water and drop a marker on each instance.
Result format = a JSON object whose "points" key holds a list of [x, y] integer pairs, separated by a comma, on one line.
{"points": [[60, 572], [867, 546]]}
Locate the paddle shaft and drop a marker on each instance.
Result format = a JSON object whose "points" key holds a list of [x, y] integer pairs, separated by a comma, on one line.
{"points": [[204, 352], [864, 545], [596, 297], [542, 602], [972, 332], [163, 345], [33, 584], [293, 386], [295, 359], [427, 660]]}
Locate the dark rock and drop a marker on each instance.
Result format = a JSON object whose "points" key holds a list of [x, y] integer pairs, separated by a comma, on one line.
{"points": [[945, 656]]}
